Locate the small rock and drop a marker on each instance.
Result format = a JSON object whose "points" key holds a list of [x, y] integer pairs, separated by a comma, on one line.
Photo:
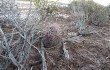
{"points": [[72, 34]]}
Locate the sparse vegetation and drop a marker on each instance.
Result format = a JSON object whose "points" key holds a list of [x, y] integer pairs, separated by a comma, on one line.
{"points": [[74, 39]]}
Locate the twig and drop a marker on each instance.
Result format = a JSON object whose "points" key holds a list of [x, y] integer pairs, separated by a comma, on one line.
{"points": [[31, 68], [9, 52], [50, 58], [44, 64]]}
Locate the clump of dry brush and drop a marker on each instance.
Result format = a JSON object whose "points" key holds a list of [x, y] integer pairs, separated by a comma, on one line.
{"points": [[18, 37]]}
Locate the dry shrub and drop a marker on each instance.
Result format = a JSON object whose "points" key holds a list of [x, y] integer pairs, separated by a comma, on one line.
{"points": [[17, 36], [95, 13], [46, 7], [108, 10]]}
